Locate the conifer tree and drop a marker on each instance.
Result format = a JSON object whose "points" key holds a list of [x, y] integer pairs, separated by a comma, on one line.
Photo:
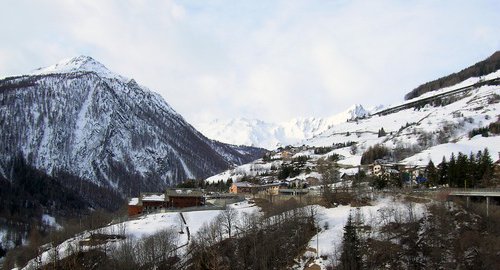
{"points": [[381, 132], [443, 172], [485, 168], [350, 259], [471, 175], [461, 170], [452, 170], [431, 173]]}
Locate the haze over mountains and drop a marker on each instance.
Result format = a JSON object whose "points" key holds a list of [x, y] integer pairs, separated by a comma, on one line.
{"points": [[269, 135]]}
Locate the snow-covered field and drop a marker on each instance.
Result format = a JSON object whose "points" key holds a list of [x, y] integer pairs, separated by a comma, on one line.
{"points": [[144, 226]]}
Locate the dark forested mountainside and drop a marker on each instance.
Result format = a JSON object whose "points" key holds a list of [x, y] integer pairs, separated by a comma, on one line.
{"points": [[105, 129], [487, 66], [30, 193]]}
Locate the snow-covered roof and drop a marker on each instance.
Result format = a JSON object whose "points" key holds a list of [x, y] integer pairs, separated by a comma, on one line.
{"points": [[133, 201], [153, 197], [349, 171], [184, 192], [273, 184], [244, 184]]}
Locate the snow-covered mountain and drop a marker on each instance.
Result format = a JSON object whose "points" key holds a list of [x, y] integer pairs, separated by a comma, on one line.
{"points": [[271, 135], [79, 117]]}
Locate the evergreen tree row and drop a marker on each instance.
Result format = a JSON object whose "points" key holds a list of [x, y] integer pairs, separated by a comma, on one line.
{"points": [[475, 170]]}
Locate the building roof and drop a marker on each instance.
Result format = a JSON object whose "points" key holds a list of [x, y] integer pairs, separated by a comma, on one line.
{"points": [[147, 197], [184, 192], [153, 197], [133, 201], [244, 184], [275, 184]]}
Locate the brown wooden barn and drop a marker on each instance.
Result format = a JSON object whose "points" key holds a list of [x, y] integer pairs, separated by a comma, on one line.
{"points": [[182, 197]]}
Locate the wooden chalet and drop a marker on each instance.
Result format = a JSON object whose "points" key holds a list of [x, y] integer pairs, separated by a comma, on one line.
{"points": [[185, 197]]}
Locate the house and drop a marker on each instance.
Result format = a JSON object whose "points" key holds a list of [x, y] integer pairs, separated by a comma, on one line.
{"points": [[184, 197], [271, 188], [412, 173], [313, 181], [297, 183], [377, 170], [145, 203], [242, 187], [134, 207]]}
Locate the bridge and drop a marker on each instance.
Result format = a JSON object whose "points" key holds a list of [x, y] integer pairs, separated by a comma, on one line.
{"points": [[476, 192]]}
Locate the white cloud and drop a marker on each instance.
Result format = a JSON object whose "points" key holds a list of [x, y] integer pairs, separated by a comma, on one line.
{"points": [[258, 59]]}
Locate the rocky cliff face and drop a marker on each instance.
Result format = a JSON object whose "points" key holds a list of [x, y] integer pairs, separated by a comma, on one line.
{"points": [[79, 117]]}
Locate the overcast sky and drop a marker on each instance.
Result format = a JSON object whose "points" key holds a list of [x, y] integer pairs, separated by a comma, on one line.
{"points": [[271, 60]]}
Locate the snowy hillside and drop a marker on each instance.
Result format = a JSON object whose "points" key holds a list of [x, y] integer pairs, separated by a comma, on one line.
{"points": [[438, 126], [272, 135], [81, 118], [415, 134], [135, 230]]}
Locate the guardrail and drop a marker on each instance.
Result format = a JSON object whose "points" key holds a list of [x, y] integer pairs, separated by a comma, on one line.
{"points": [[486, 192]]}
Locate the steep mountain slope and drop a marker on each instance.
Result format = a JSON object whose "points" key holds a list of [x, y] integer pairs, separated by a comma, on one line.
{"points": [[487, 66], [271, 135], [79, 117]]}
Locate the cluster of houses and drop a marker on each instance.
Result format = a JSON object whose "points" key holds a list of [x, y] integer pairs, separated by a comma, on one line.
{"points": [[175, 198], [409, 174]]}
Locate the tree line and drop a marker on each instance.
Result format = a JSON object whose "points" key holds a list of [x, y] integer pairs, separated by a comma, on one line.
{"points": [[475, 170]]}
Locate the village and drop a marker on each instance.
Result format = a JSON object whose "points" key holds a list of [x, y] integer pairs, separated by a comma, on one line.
{"points": [[288, 173]]}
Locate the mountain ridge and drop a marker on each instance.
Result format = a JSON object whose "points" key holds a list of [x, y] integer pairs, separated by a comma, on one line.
{"points": [[271, 135]]}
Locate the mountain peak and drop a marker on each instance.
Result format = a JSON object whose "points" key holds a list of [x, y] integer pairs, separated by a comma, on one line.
{"points": [[356, 111], [78, 64]]}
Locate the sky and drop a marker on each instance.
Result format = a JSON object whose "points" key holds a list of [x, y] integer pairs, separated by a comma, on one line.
{"points": [[268, 60]]}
